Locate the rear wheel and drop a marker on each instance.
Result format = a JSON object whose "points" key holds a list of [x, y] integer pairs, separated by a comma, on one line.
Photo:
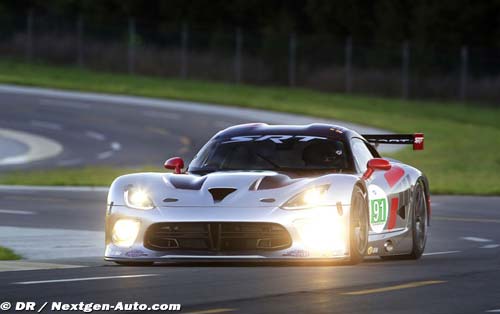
{"points": [[419, 224], [358, 229], [137, 264]]}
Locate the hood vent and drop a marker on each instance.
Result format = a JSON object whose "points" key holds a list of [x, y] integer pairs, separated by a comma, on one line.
{"points": [[186, 182], [218, 194], [271, 182]]}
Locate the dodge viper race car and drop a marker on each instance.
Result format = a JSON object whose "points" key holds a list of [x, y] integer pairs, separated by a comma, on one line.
{"points": [[273, 193]]}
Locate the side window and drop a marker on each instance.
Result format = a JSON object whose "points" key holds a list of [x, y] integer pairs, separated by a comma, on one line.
{"points": [[361, 153]]}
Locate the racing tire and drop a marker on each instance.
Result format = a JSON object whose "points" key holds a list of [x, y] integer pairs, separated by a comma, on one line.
{"points": [[134, 264], [418, 225], [358, 226]]}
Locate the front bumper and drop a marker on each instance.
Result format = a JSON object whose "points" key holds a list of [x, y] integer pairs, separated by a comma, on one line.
{"points": [[313, 247]]}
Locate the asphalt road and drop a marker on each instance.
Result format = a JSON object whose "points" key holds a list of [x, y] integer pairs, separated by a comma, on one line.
{"points": [[458, 274], [122, 131], [105, 133]]}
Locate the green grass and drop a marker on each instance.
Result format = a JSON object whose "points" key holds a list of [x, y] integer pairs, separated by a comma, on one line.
{"points": [[87, 176], [461, 155], [7, 254]]}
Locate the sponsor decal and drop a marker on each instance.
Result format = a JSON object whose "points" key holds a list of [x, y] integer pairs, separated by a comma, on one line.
{"points": [[297, 253], [418, 143], [278, 139], [136, 253], [379, 211]]}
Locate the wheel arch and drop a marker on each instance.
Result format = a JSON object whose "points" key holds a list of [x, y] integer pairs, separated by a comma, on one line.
{"points": [[425, 182], [362, 185]]}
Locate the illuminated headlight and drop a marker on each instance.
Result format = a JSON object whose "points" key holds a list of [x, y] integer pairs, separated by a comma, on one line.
{"points": [[307, 199], [138, 199], [323, 234], [125, 232]]}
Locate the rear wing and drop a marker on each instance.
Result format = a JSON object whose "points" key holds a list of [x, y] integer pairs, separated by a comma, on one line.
{"points": [[417, 139]]}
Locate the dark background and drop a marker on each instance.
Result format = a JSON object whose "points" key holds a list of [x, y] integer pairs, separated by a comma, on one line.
{"points": [[448, 49], [425, 23]]}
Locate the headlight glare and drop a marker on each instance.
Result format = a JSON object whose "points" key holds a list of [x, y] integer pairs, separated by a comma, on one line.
{"points": [[125, 232], [138, 199], [325, 234], [307, 199]]}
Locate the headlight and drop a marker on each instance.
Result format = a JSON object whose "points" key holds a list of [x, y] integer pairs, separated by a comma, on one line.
{"points": [[309, 198], [138, 199], [322, 234], [125, 232]]}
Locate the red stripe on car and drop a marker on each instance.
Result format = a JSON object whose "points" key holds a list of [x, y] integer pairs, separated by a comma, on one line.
{"points": [[394, 175], [393, 213]]}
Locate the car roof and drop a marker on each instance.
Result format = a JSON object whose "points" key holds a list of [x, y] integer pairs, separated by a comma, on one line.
{"points": [[315, 129]]}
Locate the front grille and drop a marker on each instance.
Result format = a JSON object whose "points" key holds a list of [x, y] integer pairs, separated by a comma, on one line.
{"points": [[217, 236]]}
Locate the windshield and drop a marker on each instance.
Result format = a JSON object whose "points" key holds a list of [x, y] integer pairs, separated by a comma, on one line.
{"points": [[272, 152]]}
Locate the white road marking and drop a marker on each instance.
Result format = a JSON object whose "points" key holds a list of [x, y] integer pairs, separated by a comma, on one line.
{"points": [[95, 135], [441, 253], [475, 239], [46, 125], [116, 146], [39, 147], [81, 279], [53, 188], [162, 115], [63, 103], [69, 162], [105, 155], [493, 311], [16, 212], [490, 246]]}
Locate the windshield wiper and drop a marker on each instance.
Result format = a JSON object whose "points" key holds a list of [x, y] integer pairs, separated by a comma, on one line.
{"points": [[276, 166]]}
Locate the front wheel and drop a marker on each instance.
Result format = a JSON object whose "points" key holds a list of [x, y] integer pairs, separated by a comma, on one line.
{"points": [[358, 226]]}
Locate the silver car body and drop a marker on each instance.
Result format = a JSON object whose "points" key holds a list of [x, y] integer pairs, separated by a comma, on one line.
{"points": [[249, 204]]}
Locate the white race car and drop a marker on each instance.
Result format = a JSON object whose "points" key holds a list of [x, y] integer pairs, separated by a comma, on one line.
{"points": [[273, 193]]}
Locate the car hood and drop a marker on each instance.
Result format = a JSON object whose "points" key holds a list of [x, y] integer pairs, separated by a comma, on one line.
{"points": [[230, 188]]}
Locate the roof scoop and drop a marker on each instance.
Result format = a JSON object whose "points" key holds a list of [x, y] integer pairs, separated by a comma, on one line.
{"points": [[218, 194]]}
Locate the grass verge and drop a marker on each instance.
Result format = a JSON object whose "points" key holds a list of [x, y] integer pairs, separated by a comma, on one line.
{"points": [[87, 176], [461, 155], [8, 255]]}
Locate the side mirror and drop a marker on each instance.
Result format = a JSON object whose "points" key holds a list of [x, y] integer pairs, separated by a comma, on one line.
{"points": [[376, 164], [174, 163]]}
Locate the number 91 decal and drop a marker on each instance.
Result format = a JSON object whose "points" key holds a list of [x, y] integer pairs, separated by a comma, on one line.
{"points": [[379, 211]]}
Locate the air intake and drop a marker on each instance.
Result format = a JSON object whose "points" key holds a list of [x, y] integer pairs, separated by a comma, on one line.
{"points": [[218, 194]]}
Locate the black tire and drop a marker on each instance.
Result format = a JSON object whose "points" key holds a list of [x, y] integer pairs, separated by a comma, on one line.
{"points": [[418, 225], [358, 226], [134, 264]]}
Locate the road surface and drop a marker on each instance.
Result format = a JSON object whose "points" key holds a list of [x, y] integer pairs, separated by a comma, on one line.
{"points": [[60, 230]]}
